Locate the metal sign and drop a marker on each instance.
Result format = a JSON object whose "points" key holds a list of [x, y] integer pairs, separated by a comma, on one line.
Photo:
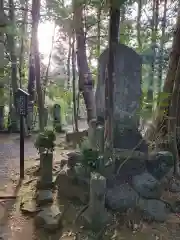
{"points": [[22, 102]]}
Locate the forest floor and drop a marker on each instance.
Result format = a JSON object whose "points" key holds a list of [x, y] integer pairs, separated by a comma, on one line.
{"points": [[16, 226]]}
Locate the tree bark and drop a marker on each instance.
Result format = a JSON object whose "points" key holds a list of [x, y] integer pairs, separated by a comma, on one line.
{"points": [[109, 81], [153, 46], [12, 45], [14, 79], [139, 24], [85, 77], [35, 46], [172, 120], [161, 55], [159, 125], [73, 58]]}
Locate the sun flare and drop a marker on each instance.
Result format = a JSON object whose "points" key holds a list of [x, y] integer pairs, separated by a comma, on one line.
{"points": [[45, 35]]}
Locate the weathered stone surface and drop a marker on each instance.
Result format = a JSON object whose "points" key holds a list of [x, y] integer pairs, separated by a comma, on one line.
{"points": [[49, 218], [175, 186], [154, 210], [121, 197], [175, 207], [147, 186], [127, 82], [68, 186], [127, 96], [82, 174], [76, 137], [46, 169], [73, 158], [28, 202], [130, 136], [132, 167], [96, 214], [159, 164], [45, 196]]}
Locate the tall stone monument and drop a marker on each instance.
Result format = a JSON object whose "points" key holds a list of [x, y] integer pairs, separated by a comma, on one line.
{"points": [[127, 96]]}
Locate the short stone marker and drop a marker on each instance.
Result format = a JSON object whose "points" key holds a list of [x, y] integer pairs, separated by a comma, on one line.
{"points": [[96, 215]]}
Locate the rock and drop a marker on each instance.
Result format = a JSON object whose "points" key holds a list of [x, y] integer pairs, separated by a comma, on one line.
{"points": [[68, 187], [76, 137], [176, 207], [147, 186], [82, 174], [154, 210], [44, 197], [174, 186], [121, 197], [49, 218], [132, 167], [74, 158], [28, 200], [29, 207], [159, 164]]}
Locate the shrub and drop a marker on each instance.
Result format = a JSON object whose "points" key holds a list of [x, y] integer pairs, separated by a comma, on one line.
{"points": [[45, 141]]}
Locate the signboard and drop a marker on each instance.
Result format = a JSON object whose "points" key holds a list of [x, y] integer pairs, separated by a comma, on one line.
{"points": [[22, 102], [22, 109]]}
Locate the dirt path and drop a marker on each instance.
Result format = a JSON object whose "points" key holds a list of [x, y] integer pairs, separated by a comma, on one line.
{"points": [[14, 226]]}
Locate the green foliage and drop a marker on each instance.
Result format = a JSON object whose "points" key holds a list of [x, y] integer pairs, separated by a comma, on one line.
{"points": [[91, 158], [45, 141]]}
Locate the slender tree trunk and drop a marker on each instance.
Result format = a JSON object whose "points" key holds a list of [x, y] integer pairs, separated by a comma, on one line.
{"points": [[49, 64], [14, 79], [2, 51], [122, 19], [139, 24], [161, 55], [73, 58], [109, 81], [85, 77], [35, 46], [68, 64], [172, 120], [23, 39], [153, 45], [159, 125]]}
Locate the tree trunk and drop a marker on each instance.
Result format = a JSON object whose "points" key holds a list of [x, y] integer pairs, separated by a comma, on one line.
{"points": [[35, 46], [139, 25], [73, 58], [14, 79], [159, 125], [68, 64], [172, 120], [85, 77], [109, 81], [2, 49], [153, 46], [161, 55]]}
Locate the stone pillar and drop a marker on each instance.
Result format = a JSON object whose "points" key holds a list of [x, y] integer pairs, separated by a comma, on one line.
{"points": [[96, 214], [57, 117], [46, 167]]}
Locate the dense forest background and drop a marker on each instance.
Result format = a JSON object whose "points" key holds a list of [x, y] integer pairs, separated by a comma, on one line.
{"points": [[39, 47]]}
